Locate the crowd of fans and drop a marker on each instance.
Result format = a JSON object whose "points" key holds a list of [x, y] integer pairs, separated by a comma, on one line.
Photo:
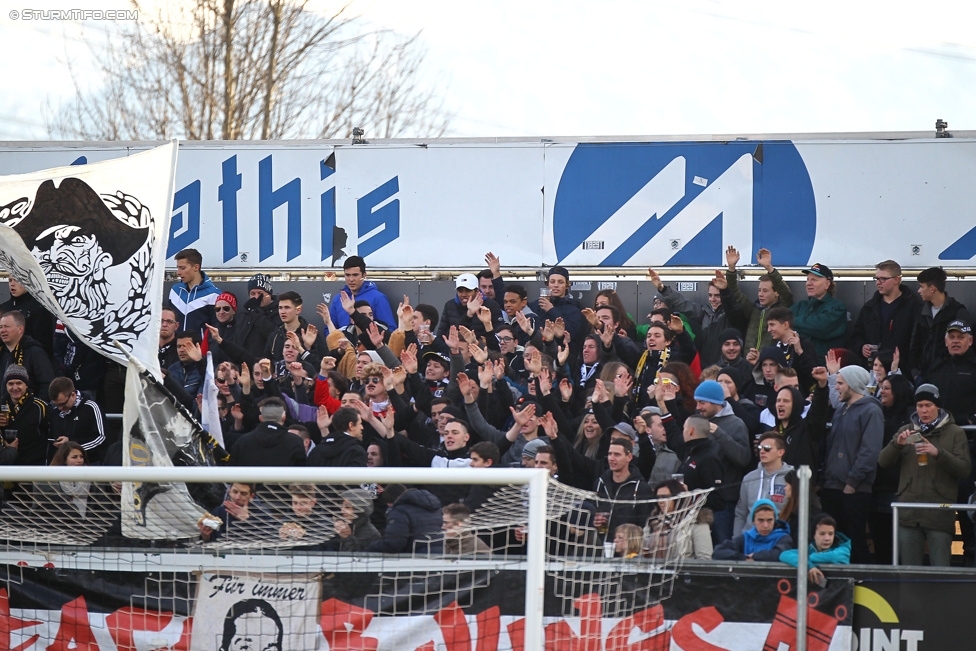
{"points": [[733, 394]]}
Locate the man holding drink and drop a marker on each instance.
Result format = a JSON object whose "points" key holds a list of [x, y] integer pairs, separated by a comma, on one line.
{"points": [[933, 454]]}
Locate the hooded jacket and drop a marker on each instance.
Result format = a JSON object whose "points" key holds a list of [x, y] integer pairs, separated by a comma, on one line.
{"points": [[749, 543], [415, 517], [338, 451], [759, 485], [853, 445], [195, 307], [803, 435], [762, 392], [367, 292], [936, 482], [269, 444], [756, 334], [363, 531], [711, 324]]}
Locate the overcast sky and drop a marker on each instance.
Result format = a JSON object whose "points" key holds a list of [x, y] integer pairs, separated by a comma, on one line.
{"points": [[631, 67]]}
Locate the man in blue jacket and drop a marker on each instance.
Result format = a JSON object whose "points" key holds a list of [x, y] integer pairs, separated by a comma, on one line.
{"points": [[360, 289], [764, 541], [193, 298]]}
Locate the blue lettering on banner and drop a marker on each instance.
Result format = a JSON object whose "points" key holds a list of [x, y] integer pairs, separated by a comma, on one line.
{"points": [[328, 210], [962, 249], [81, 160], [682, 203], [268, 200], [188, 196], [227, 195], [373, 212]]}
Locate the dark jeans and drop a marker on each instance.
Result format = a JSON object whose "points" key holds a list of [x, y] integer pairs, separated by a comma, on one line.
{"points": [[852, 512], [723, 525]]}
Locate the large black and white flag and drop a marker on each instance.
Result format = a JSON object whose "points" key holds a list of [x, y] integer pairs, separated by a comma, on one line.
{"points": [[158, 431], [89, 243]]}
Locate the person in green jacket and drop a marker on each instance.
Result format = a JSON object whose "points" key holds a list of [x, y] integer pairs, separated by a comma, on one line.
{"points": [[773, 292], [821, 318], [932, 454]]}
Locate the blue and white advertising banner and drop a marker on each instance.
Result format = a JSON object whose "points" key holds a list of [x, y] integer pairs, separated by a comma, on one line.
{"points": [[845, 203]]}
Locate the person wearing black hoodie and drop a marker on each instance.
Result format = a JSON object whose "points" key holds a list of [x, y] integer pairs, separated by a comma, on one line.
{"points": [[885, 321], [270, 444], [803, 435], [762, 392]]}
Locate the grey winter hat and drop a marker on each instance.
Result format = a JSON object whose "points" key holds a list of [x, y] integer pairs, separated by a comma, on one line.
{"points": [[532, 447], [360, 500], [15, 372], [857, 378]]}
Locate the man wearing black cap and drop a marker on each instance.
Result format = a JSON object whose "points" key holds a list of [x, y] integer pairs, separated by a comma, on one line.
{"points": [[937, 312], [258, 318], [955, 375], [560, 303], [821, 318]]}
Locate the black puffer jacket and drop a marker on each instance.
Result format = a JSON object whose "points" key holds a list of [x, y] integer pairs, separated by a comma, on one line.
{"points": [[413, 524]]}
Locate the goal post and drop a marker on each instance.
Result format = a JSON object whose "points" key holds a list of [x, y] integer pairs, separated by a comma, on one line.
{"points": [[536, 481]]}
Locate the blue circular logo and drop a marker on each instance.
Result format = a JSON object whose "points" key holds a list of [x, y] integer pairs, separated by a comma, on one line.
{"points": [[657, 204]]}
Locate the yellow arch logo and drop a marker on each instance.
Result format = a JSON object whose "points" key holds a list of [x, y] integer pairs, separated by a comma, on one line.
{"points": [[876, 604]]}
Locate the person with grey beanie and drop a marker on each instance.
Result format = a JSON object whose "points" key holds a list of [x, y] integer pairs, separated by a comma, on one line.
{"points": [[353, 528], [853, 446]]}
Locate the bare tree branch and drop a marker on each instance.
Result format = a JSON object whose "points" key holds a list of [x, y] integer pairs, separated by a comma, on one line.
{"points": [[244, 69]]}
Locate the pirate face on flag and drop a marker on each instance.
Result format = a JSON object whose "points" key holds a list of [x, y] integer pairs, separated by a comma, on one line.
{"points": [[77, 239], [89, 243]]}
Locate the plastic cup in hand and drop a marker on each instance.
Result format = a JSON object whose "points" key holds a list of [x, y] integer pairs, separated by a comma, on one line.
{"points": [[545, 292], [921, 457], [609, 548], [602, 522]]}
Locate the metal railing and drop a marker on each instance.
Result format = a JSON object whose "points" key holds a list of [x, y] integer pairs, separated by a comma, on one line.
{"points": [[919, 505]]}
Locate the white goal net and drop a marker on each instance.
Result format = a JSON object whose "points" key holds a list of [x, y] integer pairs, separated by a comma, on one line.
{"points": [[296, 559]]}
